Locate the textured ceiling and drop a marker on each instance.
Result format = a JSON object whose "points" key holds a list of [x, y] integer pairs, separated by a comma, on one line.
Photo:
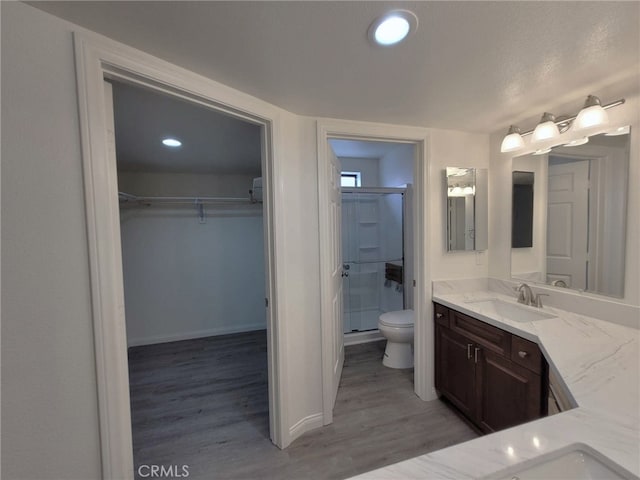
{"points": [[211, 142], [471, 66]]}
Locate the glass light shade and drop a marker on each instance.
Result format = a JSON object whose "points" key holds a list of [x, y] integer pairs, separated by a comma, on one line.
{"points": [[591, 117], [577, 142], [542, 151], [512, 141], [546, 129], [618, 131]]}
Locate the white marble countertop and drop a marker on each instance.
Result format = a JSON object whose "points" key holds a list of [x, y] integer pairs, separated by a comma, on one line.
{"points": [[599, 363]]}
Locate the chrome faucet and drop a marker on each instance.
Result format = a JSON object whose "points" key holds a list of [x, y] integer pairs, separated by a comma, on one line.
{"points": [[525, 295]]}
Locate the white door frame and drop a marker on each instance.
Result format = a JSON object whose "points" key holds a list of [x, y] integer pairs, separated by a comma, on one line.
{"points": [[424, 336], [98, 57]]}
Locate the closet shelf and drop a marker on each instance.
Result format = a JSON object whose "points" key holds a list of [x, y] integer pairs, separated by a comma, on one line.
{"points": [[129, 199], [224, 206]]}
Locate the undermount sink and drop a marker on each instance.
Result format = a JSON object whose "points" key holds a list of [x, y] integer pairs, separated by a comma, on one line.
{"points": [[511, 311], [575, 461]]}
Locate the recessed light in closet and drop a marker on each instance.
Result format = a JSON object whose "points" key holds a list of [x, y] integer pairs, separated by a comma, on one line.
{"points": [[171, 142]]}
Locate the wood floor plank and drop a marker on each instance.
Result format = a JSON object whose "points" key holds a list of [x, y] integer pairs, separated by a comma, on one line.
{"points": [[204, 403]]}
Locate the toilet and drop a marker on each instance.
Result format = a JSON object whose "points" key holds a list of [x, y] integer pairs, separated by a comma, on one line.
{"points": [[397, 328]]}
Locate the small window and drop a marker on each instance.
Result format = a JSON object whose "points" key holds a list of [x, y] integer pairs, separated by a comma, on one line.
{"points": [[350, 179]]}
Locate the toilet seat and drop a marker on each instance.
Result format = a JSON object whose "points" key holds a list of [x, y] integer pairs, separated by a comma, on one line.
{"points": [[398, 319]]}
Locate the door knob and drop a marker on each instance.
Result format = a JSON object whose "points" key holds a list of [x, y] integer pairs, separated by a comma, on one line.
{"points": [[522, 354], [438, 315], [345, 274]]}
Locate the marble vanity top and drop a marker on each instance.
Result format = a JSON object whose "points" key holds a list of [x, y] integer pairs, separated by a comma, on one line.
{"points": [[599, 363]]}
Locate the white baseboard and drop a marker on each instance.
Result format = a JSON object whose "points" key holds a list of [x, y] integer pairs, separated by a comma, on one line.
{"points": [[174, 337], [362, 337], [304, 425]]}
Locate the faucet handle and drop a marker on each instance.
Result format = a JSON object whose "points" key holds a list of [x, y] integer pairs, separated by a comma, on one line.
{"points": [[538, 300]]}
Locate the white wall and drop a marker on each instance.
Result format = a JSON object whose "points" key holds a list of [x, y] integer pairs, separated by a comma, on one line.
{"points": [[186, 279], [49, 400], [454, 149], [368, 167], [396, 167], [184, 184], [500, 193]]}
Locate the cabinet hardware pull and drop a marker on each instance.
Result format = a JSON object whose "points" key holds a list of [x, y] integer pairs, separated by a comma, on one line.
{"points": [[523, 354], [476, 354], [438, 315], [469, 345]]}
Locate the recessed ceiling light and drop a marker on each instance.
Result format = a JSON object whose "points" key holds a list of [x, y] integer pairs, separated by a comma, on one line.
{"points": [[171, 142], [393, 27]]}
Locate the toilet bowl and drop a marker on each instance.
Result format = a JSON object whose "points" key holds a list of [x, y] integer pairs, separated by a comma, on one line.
{"points": [[397, 328]]}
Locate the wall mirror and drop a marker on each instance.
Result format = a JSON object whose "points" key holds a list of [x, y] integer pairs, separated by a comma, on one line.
{"points": [[574, 201], [467, 208]]}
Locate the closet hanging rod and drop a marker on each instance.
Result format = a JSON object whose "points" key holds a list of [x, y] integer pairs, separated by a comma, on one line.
{"points": [[128, 198]]}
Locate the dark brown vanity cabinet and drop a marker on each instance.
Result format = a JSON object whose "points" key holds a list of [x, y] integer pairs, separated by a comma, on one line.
{"points": [[494, 378]]}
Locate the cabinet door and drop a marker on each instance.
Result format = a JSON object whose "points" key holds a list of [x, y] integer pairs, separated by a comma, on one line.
{"points": [[455, 372], [508, 394]]}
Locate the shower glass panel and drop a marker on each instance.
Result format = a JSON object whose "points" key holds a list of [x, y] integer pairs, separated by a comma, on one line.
{"points": [[372, 249]]}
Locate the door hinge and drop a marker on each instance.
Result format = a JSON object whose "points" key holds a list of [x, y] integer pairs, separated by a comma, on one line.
{"points": [[266, 303], [414, 283]]}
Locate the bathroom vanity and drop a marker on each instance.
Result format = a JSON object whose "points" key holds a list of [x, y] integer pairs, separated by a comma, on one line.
{"points": [[592, 361], [496, 379]]}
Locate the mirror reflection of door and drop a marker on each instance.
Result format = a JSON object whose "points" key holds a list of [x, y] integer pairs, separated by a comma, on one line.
{"points": [[568, 221]]}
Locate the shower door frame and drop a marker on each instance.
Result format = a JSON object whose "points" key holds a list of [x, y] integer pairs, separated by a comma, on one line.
{"points": [[382, 191]]}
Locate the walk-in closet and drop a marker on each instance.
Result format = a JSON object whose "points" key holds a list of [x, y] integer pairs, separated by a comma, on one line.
{"points": [[191, 218]]}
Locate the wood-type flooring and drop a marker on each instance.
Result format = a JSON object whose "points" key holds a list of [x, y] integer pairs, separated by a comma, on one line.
{"points": [[203, 404]]}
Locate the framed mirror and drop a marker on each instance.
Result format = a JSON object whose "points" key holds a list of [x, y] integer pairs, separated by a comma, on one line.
{"points": [[569, 215], [467, 208]]}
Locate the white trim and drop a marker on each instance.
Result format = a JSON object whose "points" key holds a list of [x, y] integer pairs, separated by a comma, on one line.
{"points": [[423, 343], [306, 424], [357, 338], [97, 57], [176, 337]]}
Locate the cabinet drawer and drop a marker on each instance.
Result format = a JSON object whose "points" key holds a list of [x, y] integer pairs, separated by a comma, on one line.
{"points": [[441, 314], [526, 353], [481, 333]]}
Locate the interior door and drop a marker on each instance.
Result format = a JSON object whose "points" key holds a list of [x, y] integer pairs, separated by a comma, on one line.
{"points": [[568, 221], [337, 273]]}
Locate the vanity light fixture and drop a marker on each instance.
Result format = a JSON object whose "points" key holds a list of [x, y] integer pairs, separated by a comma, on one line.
{"points": [[392, 28], [592, 117], [513, 140], [171, 142], [546, 129]]}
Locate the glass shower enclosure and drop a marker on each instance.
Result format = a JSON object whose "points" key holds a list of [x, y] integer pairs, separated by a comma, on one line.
{"points": [[373, 255]]}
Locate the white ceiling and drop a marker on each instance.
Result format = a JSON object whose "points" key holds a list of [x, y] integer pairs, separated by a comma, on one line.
{"points": [[472, 66], [211, 142]]}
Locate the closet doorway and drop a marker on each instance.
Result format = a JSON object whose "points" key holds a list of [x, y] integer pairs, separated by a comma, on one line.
{"points": [[193, 258]]}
